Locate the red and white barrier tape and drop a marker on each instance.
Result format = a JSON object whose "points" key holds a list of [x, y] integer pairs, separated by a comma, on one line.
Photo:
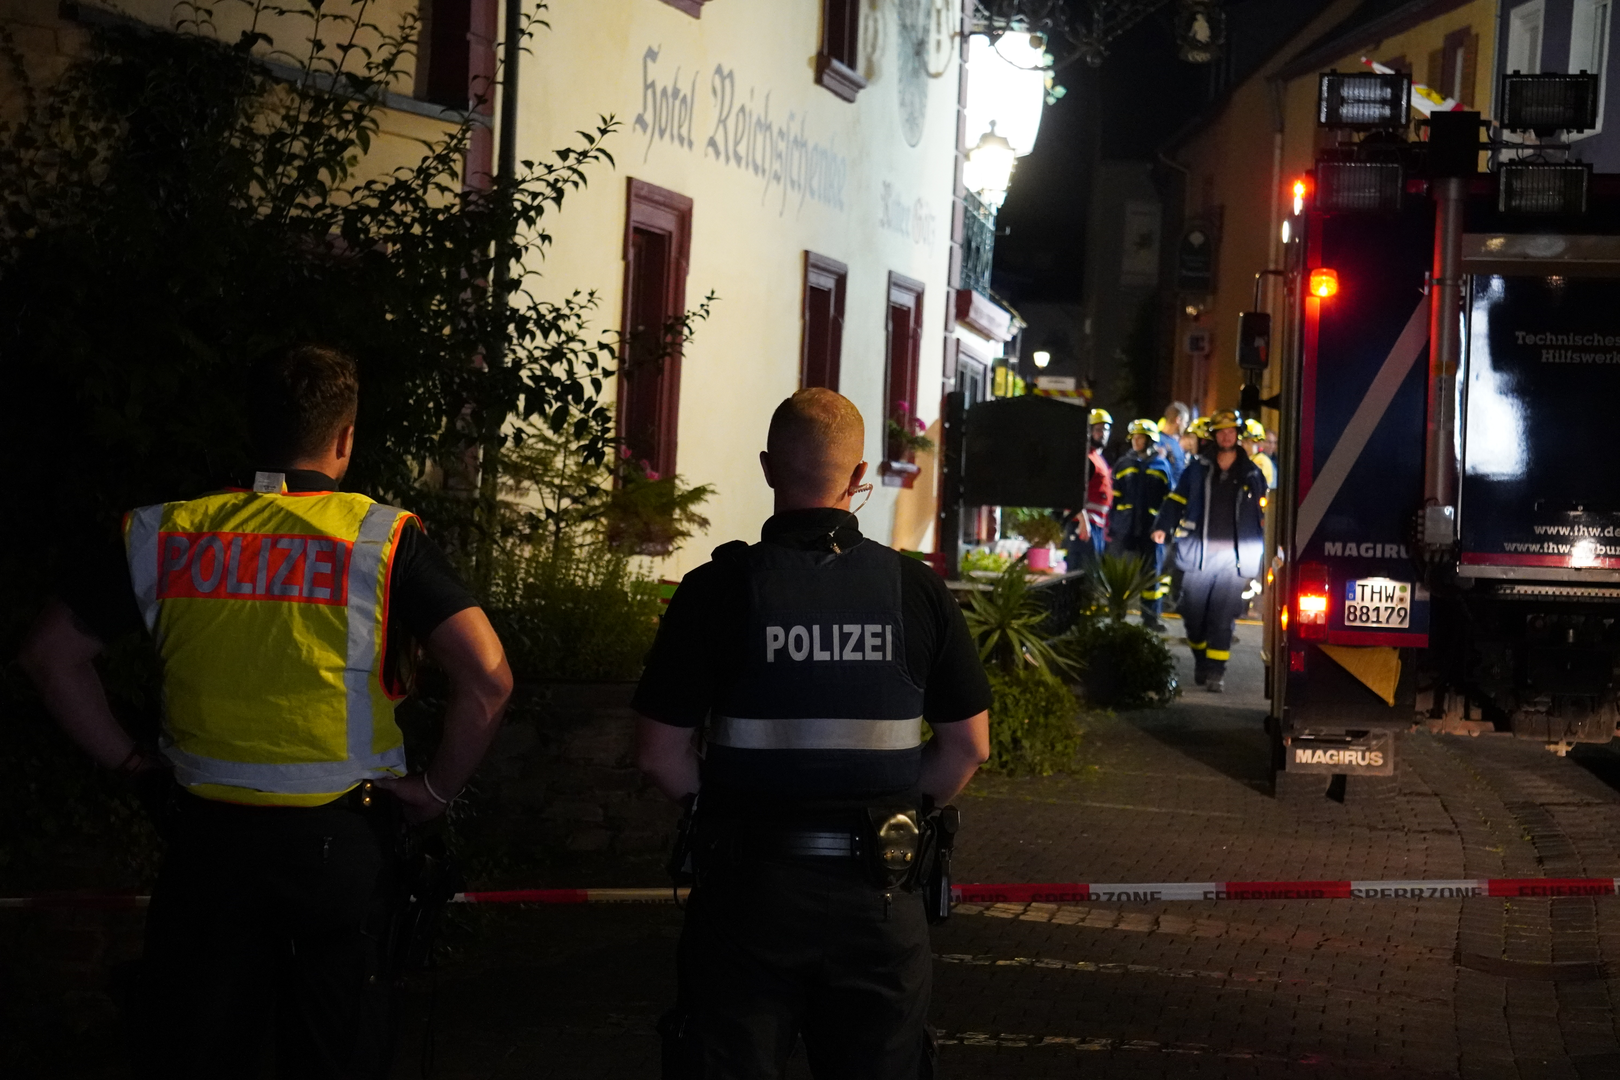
{"points": [[1155, 892], [1058, 893]]}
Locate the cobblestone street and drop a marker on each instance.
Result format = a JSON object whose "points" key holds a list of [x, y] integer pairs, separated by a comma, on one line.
{"points": [[1325, 988]]}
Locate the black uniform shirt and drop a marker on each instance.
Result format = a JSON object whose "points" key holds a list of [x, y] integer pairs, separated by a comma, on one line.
{"points": [[1224, 489], [424, 589], [703, 635]]}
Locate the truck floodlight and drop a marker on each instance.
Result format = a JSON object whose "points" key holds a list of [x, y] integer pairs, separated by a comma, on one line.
{"points": [[1363, 100], [1543, 187], [1299, 197], [1311, 601], [1287, 231], [1549, 103], [1359, 186], [1324, 283]]}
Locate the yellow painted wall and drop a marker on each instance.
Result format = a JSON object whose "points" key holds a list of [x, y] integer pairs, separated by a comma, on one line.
{"points": [[750, 232], [1230, 165], [48, 43], [891, 212]]}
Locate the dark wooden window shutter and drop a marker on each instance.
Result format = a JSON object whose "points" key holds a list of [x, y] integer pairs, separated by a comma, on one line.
{"points": [[825, 282], [657, 248]]}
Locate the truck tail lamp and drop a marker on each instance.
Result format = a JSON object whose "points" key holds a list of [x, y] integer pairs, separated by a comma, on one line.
{"points": [[1311, 601], [1324, 283]]}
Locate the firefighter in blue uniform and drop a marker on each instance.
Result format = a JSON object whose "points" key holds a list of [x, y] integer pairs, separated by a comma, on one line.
{"points": [[1254, 444], [1141, 483], [808, 663], [1214, 516]]}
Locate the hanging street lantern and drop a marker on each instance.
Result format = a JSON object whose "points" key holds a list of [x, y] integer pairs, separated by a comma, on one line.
{"points": [[989, 167]]}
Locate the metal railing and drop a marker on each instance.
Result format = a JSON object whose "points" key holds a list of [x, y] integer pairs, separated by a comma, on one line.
{"points": [[978, 244]]}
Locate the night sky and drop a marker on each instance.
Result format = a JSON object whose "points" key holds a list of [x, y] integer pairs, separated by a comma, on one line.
{"points": [[1139, 98]]}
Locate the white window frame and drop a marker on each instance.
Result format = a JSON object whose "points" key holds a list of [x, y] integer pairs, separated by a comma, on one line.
{"points": [[1591, 30], [1526, 24]]}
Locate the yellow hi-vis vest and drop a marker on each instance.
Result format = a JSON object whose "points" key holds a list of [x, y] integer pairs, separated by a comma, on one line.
{"points": [[270, 614]]}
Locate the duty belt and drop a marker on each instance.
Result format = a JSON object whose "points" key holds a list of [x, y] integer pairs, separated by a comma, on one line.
{"points": [[811, 842]]}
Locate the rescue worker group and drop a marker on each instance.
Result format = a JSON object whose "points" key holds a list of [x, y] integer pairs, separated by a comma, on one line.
{"points": [[782, 705], [1191, 493]]}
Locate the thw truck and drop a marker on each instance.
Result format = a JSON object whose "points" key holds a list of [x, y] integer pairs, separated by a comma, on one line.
{"points": [[1444, 543]]}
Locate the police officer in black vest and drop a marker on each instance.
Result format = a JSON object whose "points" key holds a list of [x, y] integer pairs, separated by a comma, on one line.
{"points": [[786, 693]]}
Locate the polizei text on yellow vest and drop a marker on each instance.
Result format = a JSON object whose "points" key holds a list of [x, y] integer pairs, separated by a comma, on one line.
{"points": [[270, 614]]}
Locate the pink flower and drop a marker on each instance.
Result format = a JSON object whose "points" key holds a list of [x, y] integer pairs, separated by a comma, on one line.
{"points": [[902, 407], [624, 453], [652, 474], [916, 422]]}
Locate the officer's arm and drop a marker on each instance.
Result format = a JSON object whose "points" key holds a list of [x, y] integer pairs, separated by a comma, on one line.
{"points": [[466, 647], [953, 755], [1164, 524], [668, 756], [60, 657]]}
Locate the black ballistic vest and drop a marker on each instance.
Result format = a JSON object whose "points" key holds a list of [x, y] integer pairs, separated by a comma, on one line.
{"points": [[822, 708]]}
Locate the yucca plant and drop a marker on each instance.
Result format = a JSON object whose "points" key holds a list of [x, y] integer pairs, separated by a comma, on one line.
{"points": [[1006, 622], [1118, 580]]}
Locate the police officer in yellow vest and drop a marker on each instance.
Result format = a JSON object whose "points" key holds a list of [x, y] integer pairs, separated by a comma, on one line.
{"points": [[281, 612]]}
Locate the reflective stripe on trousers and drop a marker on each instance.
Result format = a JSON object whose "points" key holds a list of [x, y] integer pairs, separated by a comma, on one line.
{"points": [[805, 733]]}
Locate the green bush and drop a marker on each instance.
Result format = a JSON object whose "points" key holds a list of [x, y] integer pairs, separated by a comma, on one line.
{"points": [[1124, 666], [1034, 723], [1033, 524], [566, 585], [983, 559], [568, 614]]}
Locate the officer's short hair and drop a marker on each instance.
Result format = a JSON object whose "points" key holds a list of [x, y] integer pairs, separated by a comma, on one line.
{"points": [[298, 399], [1179, 411], [817, 437]]}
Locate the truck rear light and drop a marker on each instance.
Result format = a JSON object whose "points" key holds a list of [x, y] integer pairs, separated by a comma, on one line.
{"points": [[1311, 601], [1324, 282]]}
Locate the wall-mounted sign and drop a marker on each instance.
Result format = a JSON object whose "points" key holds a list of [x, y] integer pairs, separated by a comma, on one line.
{"points": [[1139, 259], [1195, 260], [1054, 382], [1198, 342]]}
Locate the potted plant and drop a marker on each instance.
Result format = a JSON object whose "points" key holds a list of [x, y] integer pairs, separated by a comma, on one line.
{"points": [[905, 440], [1039, 529]]}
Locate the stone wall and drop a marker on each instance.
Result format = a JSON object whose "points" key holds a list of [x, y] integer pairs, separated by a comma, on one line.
{"points": [[561, 776]]}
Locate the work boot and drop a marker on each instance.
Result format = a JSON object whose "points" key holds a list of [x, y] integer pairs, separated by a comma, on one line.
{"points": [[1216, 684], [1151, 622], [1200, 671]]}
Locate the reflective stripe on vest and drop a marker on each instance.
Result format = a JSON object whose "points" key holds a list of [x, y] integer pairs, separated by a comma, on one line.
{"points": [[800, 733], [269, 612]]}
